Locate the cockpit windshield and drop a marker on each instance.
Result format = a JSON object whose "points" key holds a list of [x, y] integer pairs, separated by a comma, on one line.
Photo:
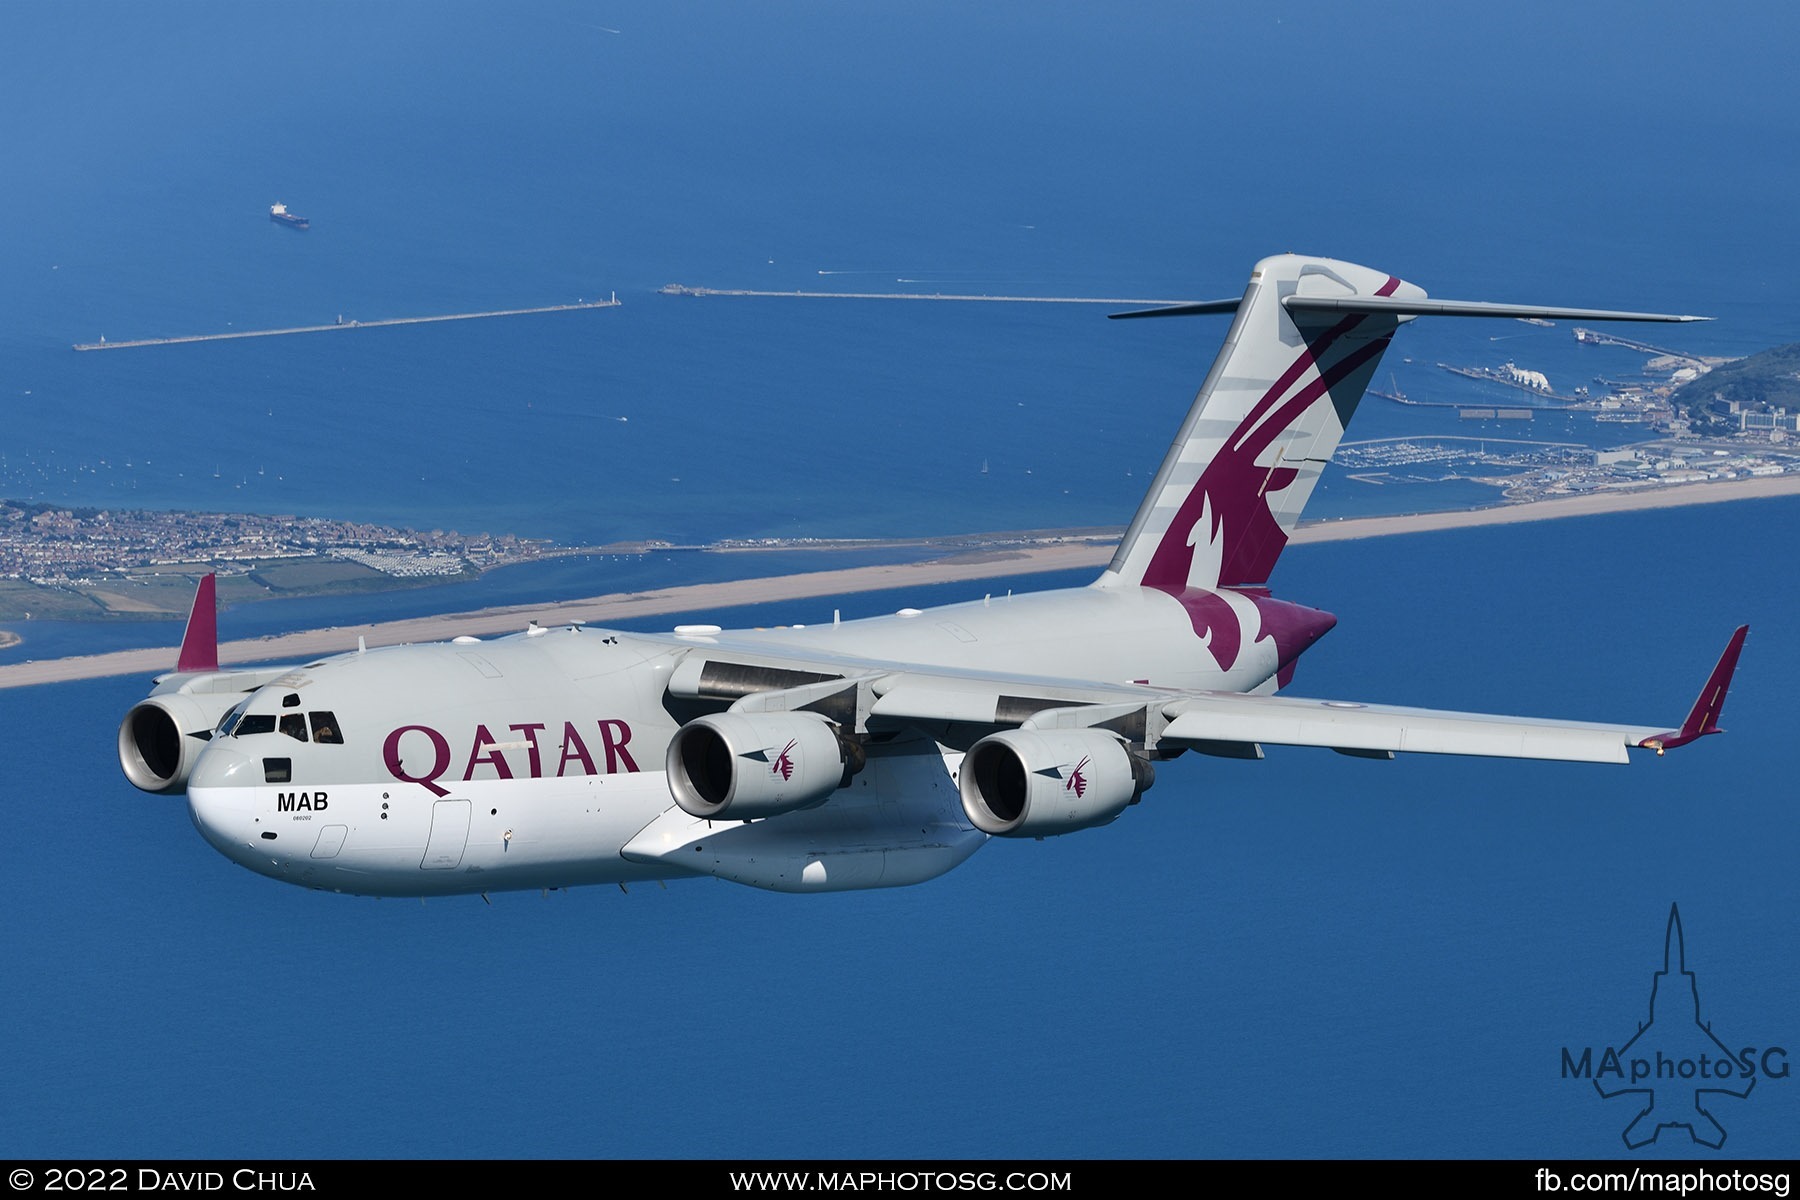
{"points": [[323, 724], [228, 722]]}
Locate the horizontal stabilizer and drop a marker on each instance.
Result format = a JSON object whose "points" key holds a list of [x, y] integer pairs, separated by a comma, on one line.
{"points": [[1199, 308], [1425, 307]]}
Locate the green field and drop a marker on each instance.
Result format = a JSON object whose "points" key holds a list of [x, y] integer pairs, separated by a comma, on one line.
{"points": [[310, 574], [19, 601], [168, 592], [314, 577]]}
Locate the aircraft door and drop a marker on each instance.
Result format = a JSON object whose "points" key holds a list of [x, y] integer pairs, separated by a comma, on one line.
{"points": [[449, 835], [331, 840]]}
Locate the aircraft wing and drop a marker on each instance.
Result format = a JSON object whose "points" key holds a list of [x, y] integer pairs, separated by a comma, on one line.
{"points": [[1044, 756], [956, 708], [1384, 730], [1380, 730]]}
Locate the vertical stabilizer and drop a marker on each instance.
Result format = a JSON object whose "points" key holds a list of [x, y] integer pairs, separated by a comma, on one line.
{"points": [[1265, 423], [200, 642]]}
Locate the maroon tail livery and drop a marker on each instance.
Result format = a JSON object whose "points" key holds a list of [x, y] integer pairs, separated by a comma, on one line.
{"points": [[200, 643]]}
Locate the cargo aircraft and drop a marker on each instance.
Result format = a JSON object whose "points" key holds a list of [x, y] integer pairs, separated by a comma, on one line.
{"points": [[859, 754]]}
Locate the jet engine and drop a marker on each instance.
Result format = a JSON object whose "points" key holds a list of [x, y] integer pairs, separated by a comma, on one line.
{"points": [[161, 736], [1034, 783], [735, 766]]}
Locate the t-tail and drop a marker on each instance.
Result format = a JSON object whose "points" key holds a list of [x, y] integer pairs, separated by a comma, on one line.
{"points": [[1305, 342]]}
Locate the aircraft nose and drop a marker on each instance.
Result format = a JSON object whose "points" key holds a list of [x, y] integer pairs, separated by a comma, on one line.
{"points": [[220, 795]]}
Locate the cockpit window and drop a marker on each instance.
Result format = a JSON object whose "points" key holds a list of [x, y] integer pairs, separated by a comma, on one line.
{"points": [[254, 723], [294, 725], [325, 729], [230, 718]]}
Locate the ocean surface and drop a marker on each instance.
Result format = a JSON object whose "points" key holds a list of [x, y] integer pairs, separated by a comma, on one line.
{"points": [[1305, 956]]}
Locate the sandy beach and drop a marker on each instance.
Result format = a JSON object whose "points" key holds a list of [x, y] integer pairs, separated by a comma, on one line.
{"points": [[698, 598], [1593, 504]]}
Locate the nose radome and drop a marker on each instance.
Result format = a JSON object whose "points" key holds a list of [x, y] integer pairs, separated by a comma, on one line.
{"points": [[220, 797]]}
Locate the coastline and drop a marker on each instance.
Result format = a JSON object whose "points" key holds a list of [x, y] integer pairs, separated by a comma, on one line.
{"points": [[1592, 504], [957, 566]]}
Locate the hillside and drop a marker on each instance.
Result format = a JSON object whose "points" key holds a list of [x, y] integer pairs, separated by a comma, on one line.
{"points": [[1770, 379]]}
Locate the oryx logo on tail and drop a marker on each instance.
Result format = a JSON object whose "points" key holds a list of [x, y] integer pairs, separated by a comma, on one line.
{"points": [[1239, 509], [1269, 416], [1267, 419]]}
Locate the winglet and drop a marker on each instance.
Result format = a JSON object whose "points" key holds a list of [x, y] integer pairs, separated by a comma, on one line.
{"points": [[200, 642], [1703, 718]]}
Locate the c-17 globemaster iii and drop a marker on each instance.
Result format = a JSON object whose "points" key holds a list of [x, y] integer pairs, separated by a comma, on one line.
{"points": [[859, 754]]}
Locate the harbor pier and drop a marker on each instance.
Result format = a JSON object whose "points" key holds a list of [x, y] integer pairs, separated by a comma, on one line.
{"points": [[340, 324]]}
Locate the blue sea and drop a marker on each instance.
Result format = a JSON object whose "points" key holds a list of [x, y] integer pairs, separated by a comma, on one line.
{"points": [[1308, 956]]}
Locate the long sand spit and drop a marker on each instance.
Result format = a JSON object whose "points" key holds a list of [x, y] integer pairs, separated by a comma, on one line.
{"points": [[702, 597]]}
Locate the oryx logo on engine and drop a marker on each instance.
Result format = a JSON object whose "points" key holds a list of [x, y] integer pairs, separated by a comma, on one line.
{"points": [[1077, 782]]}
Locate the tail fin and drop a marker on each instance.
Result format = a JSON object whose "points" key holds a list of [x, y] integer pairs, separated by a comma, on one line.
{"points": [[200, 641], [1266, 421], [1306, 341]]}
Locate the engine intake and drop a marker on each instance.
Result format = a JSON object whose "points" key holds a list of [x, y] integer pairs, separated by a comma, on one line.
{"points": [[160, 738], [736, 766], [1035, 783]]}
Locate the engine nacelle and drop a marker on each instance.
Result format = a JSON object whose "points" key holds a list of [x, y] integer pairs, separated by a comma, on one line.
{"points": [[735, 766], [1038, 782], [160, 737]]}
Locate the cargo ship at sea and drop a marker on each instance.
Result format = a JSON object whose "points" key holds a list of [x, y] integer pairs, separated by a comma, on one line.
{"points": [[279, 214]]}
